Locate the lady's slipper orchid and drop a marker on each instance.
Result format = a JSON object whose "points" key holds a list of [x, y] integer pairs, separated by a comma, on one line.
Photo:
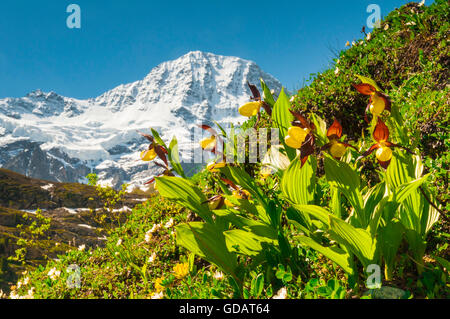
{"points": [[254, 108], [155, 150], [336, 148], [300, 136], [383, 147], [210, 143], [378, 100]]}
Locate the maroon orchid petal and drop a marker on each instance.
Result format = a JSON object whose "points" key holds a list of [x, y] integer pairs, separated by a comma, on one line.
{"points": [[267, 108], [256, 95], [392, 145], [161, 152], [370, 150], [209, 129], [307, 148], [381, 132], [227, 181], [147, 136], [384, 164], [365, 88], [349, 145], [303, 121]]}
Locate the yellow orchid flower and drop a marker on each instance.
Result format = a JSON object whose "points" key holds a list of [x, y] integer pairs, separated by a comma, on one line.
{"points": [[250, 109], [296, 136], [148, 155], [208, 143]]}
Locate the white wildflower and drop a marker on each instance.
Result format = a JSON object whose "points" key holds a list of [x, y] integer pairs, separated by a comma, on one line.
{"points": [[281, 294], [336, 71], [152, 258], [422, 3], [369, 36], [157, 295], [386, 27], [54, 273], [119, 242], [26, 281], [82, 247], [353, 43], [218, 275], [169, 224]]}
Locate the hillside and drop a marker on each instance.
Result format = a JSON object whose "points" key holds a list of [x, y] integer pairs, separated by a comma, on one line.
{"points": [[313, 229]]}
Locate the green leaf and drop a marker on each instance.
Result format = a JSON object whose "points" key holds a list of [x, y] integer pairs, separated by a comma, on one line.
{"points": [[245, 242], [186, 193], [357, 240], [268, 98], [298, 183], [206, 241], [405, 190], [158, 138], [341, 175], [257, 227], [389, 239], [315, 211], [174, 157], [282, 119], [241, 178], [257, 285], [333, 253]]}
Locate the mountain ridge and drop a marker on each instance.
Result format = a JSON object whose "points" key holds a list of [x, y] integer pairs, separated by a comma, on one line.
{"points": [[100, 134]]}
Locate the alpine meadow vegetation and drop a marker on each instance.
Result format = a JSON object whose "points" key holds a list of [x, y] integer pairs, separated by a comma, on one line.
{"points": [[351, 203]]}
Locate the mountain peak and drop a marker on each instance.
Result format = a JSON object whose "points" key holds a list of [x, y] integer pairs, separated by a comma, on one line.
{"points": [[101, 132]]}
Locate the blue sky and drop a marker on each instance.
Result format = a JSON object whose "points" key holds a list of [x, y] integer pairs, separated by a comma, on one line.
{"points": [[121, 41]]}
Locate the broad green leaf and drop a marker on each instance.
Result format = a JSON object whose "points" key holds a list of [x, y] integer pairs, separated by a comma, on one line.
{"points": [[334, 253], [186, 193], [373, 197], [357, 240], [282, 119], [206, 241], [174, 157], [298, 183], [316, 212], [335, 202], [405, 190], [257, 227], [245, 242], [243, 179], [345, 178], [389, 239]]}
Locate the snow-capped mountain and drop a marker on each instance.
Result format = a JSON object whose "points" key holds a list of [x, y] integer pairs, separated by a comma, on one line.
{"points": [[48, 136]]}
